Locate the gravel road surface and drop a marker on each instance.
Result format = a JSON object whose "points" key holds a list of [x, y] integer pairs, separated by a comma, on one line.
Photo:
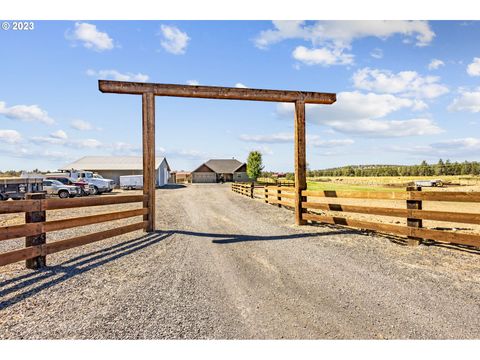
{"points": [[223, 266]]}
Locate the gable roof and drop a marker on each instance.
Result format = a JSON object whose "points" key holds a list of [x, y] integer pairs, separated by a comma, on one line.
{"points": [[222, 166], [112, 163]]}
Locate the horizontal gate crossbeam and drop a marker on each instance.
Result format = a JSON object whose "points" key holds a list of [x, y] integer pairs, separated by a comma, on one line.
{"points": [[214, 92]]}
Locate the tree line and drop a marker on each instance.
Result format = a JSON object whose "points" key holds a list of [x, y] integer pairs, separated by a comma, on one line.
{"points": [[441, 168], [423, 169]]}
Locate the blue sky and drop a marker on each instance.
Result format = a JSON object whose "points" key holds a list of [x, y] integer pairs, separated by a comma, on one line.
{"points": [[407, 91]]}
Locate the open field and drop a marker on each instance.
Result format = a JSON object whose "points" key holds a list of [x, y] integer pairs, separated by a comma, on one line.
{"points": [[225, 266], [344, 186], [399, 181]]}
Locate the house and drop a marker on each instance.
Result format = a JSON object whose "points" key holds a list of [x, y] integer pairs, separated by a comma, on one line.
{"points": [[112, 167], [215, 170]]}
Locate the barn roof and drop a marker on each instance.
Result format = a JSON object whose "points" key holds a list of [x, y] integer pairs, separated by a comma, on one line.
{"points": [[222, 166], [111, 163]]}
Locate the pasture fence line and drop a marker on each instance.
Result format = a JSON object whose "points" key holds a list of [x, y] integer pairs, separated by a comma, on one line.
{"points": [[316, 211], [36, 227]]}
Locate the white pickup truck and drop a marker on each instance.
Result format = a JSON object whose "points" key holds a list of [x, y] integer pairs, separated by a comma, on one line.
{"points": [[98, 185]]}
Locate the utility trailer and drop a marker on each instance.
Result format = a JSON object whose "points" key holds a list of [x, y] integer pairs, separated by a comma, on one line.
{"points": [[429, 183], [16, 187], [131, 182]]}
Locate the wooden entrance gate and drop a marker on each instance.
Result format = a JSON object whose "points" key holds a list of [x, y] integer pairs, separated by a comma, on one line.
{"points": [[148, 91]]}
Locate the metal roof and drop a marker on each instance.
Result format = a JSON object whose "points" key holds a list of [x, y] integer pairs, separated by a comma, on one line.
{"points": [[111, 163], [222, 166]]}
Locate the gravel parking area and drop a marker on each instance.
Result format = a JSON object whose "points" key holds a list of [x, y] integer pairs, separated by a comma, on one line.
{"points": [[224, 266]]}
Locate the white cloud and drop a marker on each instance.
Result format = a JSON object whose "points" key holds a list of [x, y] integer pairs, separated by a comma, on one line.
{"points": [[435, 64], [61, 138], [47, 140], [10, 136], [317, 142], [322, 56], [86, 143], [405, 83], [467, 101], [459, 144], [118, 76], [91, 37], [174, 40], [193, 82], [446, 148], [59, 134], [81, 125], [272, 139], [264, 149], [25, 113], [473, 69], [341, 33], [363, 114], [240, 85], [280, 138], [376, 53], [387, 128], [331, 39]]}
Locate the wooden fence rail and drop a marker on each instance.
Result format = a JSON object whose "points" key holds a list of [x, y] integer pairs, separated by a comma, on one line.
{"points": [[413, 211], [37, 227], [246, 189]]}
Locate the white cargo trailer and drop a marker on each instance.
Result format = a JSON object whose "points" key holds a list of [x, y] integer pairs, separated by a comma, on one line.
{"points": [[131, 182]]}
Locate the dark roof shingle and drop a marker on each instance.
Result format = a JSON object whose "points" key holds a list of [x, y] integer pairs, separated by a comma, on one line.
{"points": [[224, 166]]}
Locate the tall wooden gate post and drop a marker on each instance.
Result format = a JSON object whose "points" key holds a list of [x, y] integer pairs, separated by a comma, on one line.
{"points": [[37, 239], [300, 160], [148, 138]]}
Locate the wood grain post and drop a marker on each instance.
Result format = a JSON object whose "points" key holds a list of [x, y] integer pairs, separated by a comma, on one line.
{"points": [[279, 195], [252, 189], [148, 138], [300, 160], [37, 262], [412, 222]]}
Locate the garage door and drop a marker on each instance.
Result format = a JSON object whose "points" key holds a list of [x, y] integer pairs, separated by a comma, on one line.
{"points": [[204, 178]]}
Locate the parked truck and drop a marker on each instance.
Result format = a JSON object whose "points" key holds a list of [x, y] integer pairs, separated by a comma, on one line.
{"points": [[131, 182], [97, 184], [16, 187], [55, 187]]}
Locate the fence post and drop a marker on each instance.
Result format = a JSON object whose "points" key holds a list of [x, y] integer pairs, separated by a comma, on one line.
{"points": [[265, 189], [279, 195], [252, 189], [413, 222], [37, 239]]}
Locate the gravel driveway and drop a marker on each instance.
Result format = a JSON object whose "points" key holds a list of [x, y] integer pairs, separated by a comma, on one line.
{"points": [[225, 266]]}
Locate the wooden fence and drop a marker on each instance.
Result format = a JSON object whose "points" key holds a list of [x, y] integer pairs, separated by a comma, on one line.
{"points": [[244, 188], [412, 212], [278, 182], [36, 225]]}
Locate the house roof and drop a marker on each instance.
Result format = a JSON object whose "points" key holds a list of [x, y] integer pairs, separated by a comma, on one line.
{"points": [[112, 163], [222, 166]]}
